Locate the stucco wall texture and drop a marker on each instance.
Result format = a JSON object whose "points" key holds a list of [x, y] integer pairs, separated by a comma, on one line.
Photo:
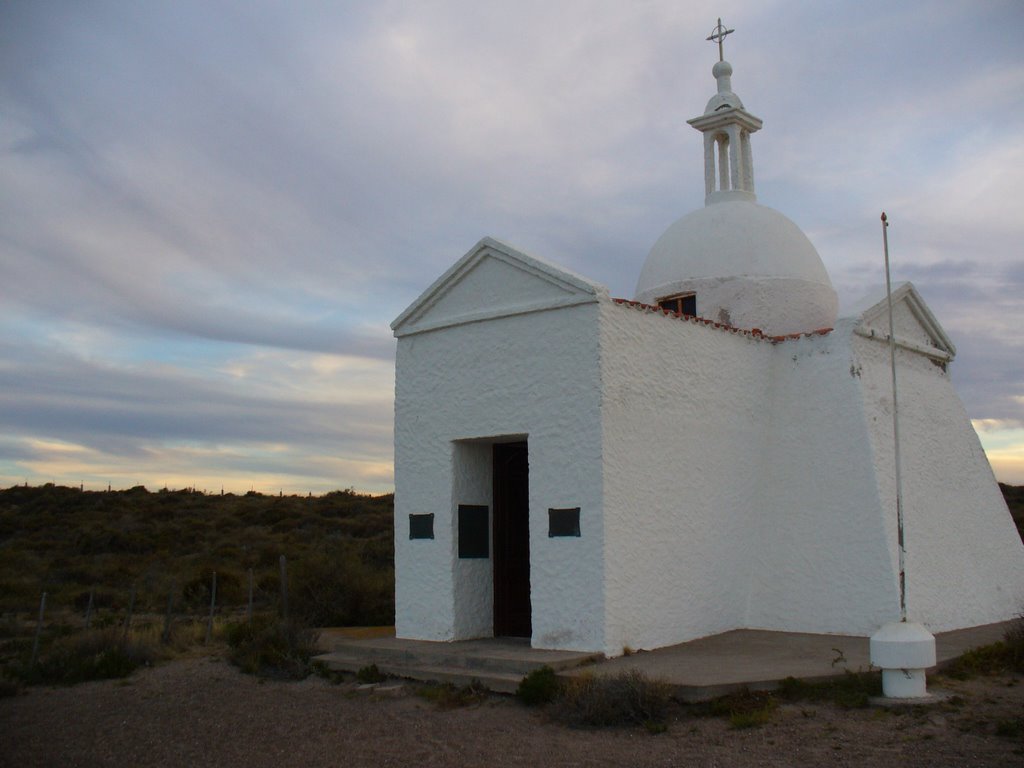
{"points": [[725, 480], [532, 376]]}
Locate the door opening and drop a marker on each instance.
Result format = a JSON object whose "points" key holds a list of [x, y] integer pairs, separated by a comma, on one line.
{"points": [[512, 540]]}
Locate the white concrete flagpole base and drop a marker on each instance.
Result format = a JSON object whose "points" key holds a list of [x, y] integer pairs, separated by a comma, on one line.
{"points": [[903, 650]]}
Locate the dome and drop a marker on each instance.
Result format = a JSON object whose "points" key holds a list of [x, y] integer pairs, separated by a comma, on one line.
{"points": [[747, 265], [734, 261]]}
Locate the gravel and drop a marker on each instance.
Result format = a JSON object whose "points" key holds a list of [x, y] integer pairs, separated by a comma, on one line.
{"points": [[203, 712]]}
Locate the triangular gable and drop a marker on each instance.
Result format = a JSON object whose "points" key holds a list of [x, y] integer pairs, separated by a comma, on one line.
{"points": [[494, 280], [915, 326]]}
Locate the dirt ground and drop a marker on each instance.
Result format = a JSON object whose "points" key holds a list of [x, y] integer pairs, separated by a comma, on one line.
{"points": [[203, 712]]}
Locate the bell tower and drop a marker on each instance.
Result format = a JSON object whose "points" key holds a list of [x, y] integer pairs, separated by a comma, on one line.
{"points": [[726, 125]]}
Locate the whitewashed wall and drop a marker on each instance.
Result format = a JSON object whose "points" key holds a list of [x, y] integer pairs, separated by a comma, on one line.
{"points": [[750, 484], [531, 375], [817, 542], [473, 579], [965, 560], [684, 422]]}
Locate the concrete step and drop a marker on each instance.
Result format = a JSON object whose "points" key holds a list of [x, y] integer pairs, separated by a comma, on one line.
{"points": [[501, 682], [498, 663], [479, 657]]}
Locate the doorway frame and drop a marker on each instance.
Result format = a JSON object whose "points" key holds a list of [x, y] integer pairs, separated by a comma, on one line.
{"points": [[512, 610]]}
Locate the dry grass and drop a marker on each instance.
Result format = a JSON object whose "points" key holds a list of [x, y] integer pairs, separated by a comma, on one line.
{"points": [[628, 698]]}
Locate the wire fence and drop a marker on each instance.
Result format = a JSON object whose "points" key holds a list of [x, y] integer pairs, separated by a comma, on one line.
{"points": [[179, 606]]}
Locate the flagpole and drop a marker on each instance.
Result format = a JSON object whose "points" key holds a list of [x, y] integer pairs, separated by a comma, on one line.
{"points": [[895, 427]]}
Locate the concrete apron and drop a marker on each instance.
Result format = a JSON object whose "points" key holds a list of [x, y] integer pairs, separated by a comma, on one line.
{"points": [[498, 663], [698, 670]]}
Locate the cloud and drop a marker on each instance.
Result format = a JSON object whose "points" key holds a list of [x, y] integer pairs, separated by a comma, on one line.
{"points": [[83, 398], [267, 469], [212, 212], [1003, 441], [279, 414]]}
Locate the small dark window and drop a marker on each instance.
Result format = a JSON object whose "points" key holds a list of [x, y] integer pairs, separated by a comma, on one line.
{"points": [[474, 537], [684, 304], [421, 526], [563, 522]]}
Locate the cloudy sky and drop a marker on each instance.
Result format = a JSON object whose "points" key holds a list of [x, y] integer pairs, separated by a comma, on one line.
{"points": [[210, 211]]}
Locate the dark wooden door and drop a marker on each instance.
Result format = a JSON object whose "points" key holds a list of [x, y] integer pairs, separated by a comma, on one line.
{"points": [[512, 540]]}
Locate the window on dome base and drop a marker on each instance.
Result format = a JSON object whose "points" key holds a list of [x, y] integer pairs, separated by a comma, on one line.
{"points": [[683, 303]]}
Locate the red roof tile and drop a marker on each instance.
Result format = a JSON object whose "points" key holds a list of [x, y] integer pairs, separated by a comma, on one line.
{"points": [[754, 333]]}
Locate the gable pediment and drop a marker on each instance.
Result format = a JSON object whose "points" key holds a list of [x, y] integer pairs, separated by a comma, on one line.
{"points": [[915, 327], [494, 280]]}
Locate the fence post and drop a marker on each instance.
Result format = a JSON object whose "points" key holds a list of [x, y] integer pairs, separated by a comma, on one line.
{"points": [[128, 618], [213, 605], [165, 636], [249, 612], [284, 588], [88, 610], [39, 630]]}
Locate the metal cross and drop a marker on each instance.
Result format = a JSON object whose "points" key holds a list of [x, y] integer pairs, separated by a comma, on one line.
{"points": [[718, 35]]}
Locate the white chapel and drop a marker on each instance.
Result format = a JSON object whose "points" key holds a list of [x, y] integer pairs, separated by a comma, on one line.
{"points": [[716, 453]]}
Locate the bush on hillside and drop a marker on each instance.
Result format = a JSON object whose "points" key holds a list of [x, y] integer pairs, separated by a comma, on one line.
{"points": [[68, 543], [334, 587]]}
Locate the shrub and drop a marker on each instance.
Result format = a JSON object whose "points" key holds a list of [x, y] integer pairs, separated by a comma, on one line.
{"points": [[271, 648], [1013, 729], [851, 691], [334, 587], [91, 655], [196, 591], [449, 696], [538, 687], [744, 708], [186, 633], [1014, 640], [752, 719], [1006, 655], [628, 698], [68, 542], [370, 674], [984, 660]]}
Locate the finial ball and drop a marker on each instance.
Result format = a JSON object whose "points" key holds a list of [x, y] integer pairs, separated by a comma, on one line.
{"points": [[722, 69]]}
